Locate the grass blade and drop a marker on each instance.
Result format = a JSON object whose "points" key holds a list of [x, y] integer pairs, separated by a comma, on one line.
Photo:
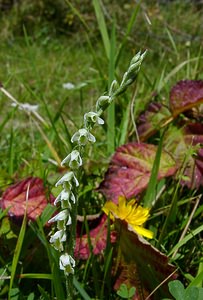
{"points": [[36, 276], [52, 261], [18, 248], [111, 108], [151, 190], [176, 70], [80, 289], [11, 153], [102, 26], [77, 13], [197, 281], [124, 125], [172, 42], [192, 234], [128, 32]]}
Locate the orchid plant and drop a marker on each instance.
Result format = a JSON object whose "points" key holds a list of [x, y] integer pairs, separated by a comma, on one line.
{"points": [[66, 218]]}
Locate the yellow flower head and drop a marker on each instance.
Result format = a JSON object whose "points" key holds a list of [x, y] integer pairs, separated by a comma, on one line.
{"points": [[135, 215]]}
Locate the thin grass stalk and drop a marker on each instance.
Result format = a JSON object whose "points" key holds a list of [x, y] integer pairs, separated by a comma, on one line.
{"points": [[111, 109], [174, 202], [18, 247], [128, 32], [187, 238], [102, 27], [151, 189], [188, 223]]}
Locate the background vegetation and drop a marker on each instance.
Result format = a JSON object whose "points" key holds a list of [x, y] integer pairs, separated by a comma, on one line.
{"points": [[45, 44]]}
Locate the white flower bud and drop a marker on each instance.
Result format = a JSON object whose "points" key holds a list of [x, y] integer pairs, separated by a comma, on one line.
{"points": [[136, 58], [103, 102], [114, 87]]}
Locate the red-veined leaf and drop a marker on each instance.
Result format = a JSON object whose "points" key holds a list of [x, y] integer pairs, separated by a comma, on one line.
{"points": [[130, 170], [98, 238], [185, 95], [15, 198], [186, 143], [155, 116]]}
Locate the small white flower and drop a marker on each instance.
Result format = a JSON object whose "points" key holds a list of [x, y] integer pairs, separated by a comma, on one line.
{"points": [[69, 178], [73, 159], [65, 195], [58, 235], [92, 118], [57, 239], [61, 216], [67, 264], [63, 199], [82, 137]]}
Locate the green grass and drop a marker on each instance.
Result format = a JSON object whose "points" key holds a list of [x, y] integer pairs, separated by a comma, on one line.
{"points": [[33, 70]]}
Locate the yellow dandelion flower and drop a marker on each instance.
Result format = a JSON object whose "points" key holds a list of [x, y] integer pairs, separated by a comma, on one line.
{"points": [[134, 214]]}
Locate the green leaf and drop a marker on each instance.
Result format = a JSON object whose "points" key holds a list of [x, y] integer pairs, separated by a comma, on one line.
{"points": [[5, 228], [191, 293], [197, 281], [44, 294], [132, 291], [80, 289], [47, 213], [31, 296], [200, 294], [177, 289], [37, 276], [14, 294], [123, 291]]}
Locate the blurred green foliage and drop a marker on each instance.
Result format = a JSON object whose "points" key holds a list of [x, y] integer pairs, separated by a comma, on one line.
{"points": [[42, 17]]}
